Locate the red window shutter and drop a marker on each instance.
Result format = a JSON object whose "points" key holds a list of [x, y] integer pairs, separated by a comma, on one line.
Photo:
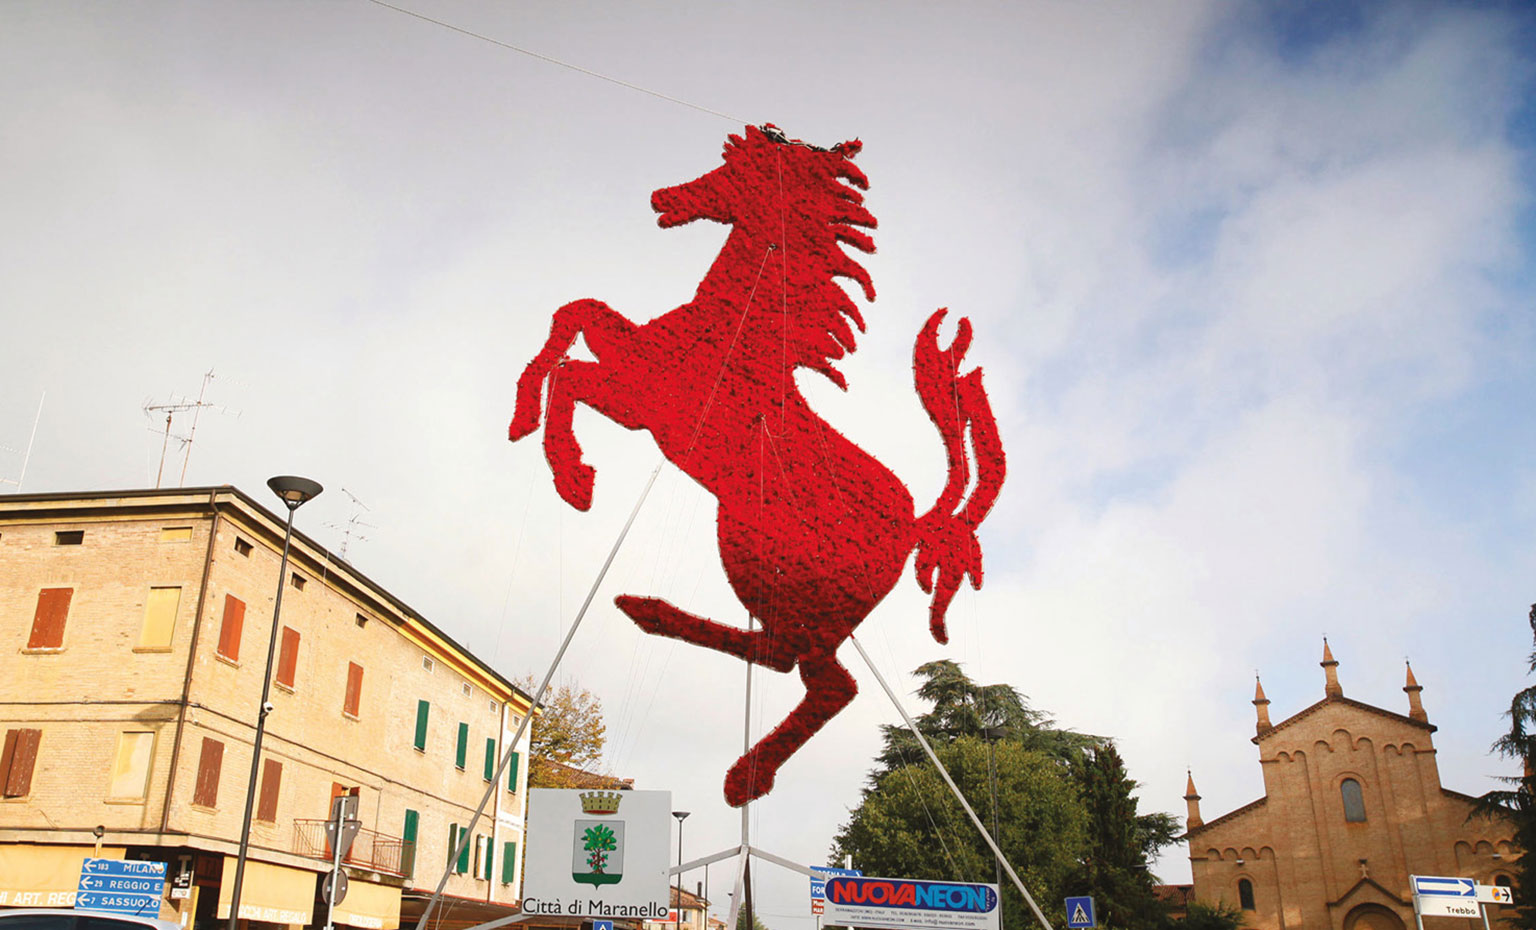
{"points": [[16, 761], [229, 633], [271, 781], [288, 657], [209, 765], [354, 688], [48, 621]]}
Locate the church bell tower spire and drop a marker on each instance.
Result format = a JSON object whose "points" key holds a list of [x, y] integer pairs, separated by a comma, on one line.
{"points": [[1331, 669], [1260, 704], [1415, 705], [1192, 800]]}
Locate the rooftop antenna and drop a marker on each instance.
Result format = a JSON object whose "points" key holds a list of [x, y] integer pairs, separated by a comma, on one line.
{"points": [[174, 407], [27, 457], [350, 528]]}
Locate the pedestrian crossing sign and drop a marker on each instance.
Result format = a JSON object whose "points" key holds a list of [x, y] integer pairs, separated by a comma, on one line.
{"points": [[1080, 912]]}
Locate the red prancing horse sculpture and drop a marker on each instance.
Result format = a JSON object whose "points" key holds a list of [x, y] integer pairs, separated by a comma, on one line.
{"points": [[813, 530]]}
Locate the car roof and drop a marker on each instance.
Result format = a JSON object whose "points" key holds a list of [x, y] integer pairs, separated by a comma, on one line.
{"points": [[147, 921]]}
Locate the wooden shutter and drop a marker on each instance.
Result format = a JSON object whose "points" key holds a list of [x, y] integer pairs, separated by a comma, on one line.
{"points": [[490, 759], [354, 698], [48, 621], [422, 710], [288, 657], [229, 633], [17, 760], [209, 765], [160, 610], [461, 749], [408, 835], [463, 865], [271, 782], [512, 771], [508, 862]]}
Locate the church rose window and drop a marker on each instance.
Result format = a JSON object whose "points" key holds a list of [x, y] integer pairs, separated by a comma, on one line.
{"points": [[1354, 801]]}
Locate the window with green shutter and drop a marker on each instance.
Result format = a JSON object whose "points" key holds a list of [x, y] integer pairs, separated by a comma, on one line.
{"points": [[453, 839], [422, 710], [461, 750], [508, 862], [408, 847], [490, 759], [463, 865], [512, 771]]}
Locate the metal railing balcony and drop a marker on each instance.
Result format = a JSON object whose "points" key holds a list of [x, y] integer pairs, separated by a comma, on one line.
{"points": [[379, 852]]}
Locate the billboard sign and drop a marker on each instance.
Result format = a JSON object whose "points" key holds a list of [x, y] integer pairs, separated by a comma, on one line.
{"points": [[597, 853], [910, 904]]}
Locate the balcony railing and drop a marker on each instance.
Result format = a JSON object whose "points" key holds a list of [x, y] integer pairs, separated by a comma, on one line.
{"points": [[379, 852]]}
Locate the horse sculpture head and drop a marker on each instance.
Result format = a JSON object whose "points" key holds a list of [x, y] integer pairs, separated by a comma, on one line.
{"points": [[799, 201]]}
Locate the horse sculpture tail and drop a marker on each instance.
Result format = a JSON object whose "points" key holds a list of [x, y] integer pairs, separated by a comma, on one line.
{"points": [[947, 549]]}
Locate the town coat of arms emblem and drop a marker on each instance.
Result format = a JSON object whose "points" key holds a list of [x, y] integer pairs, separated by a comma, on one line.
{"points": [[597, 850]]}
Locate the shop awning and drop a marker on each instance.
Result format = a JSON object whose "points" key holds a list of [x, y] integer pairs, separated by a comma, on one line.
{"points": [[44, 876], [370, 906], [274, 893]]}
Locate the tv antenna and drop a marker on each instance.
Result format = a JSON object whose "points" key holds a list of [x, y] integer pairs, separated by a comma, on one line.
{"points": [[27, 456], [351, 529], [182, 405]]}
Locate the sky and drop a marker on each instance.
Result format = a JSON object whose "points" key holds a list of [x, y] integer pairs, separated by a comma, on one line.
{"points": [[1251, 283]]}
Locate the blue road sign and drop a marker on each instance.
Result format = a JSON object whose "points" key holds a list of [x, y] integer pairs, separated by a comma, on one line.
{"points": [[1080, 912], [121, 885], [602, 925], [820, 874], [1442, 886]]}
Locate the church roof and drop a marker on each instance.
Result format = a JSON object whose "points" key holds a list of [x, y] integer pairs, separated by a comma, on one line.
{"points": [[1351, 702], [1225, 818]]}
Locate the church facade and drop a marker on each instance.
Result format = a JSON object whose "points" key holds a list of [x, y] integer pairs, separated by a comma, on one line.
{"points": [[1352, 807]]}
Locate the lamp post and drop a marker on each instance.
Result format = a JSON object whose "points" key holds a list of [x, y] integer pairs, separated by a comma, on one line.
{"points": [[293, 492], [992, 735], [681, 816]]}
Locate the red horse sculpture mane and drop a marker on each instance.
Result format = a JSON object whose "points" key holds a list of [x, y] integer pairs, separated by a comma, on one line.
{"points": [[813, 531]]}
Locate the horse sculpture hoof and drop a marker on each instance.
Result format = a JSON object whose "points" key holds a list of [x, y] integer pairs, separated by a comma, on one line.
{"points": [[645, 611], [747, 780], [524, 422], [574, 485]]}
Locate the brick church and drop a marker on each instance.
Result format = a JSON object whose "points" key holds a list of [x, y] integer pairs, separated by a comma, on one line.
{"points": [[1352, 807]]}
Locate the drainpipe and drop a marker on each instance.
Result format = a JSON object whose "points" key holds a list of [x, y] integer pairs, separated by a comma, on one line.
{"points": [[186, 683]]}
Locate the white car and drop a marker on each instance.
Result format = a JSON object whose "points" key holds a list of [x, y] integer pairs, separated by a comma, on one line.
{"points": [[62, 918]]}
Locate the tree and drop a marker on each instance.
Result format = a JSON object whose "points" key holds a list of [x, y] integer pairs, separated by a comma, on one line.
{"points": [[570, 733], [1116, 869], [1518, 803], [909, 824], [1210, 917], [1069, 818], [741, 921]]}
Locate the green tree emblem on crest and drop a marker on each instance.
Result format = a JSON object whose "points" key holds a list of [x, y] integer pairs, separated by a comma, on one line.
{"points": [[598, 841]]}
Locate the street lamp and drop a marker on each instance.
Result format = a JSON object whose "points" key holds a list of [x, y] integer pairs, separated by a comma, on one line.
{"points": [[293, 492], [992, 735], [681, 816]]}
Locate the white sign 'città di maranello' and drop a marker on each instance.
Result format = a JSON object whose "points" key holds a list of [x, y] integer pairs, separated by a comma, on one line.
{"points": [[597, 853]]}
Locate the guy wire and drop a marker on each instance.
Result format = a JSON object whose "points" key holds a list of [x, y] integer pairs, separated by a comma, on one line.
{"points": [[563, 64]]}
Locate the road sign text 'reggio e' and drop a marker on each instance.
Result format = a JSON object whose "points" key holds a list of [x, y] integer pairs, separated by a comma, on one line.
{"points": [[123, 886]]}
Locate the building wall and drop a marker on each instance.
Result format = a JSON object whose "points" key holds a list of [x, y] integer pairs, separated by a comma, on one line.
{"points": [[1307, 863], [103, 682]]}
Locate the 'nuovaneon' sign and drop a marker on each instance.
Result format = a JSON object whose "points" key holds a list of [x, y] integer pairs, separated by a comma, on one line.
{"points": [[910, 904]]}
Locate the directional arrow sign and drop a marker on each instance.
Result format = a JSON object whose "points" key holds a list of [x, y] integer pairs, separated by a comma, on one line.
{"points": [[1440, 886], [1495, 894]]}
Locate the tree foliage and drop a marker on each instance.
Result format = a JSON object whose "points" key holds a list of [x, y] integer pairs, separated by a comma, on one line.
{"points": [[569, 732], [1518, 802], [1067, 814], [741, 921], [1217, 916]]}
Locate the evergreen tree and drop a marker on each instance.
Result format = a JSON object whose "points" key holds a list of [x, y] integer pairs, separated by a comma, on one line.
{"points": [[1068, 819], [1116, 868], [1518, 803], [1210, 917]]}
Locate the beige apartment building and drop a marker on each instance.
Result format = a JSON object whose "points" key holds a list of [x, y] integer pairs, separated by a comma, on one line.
{"points": [[1352, 807], [134, 630]]}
